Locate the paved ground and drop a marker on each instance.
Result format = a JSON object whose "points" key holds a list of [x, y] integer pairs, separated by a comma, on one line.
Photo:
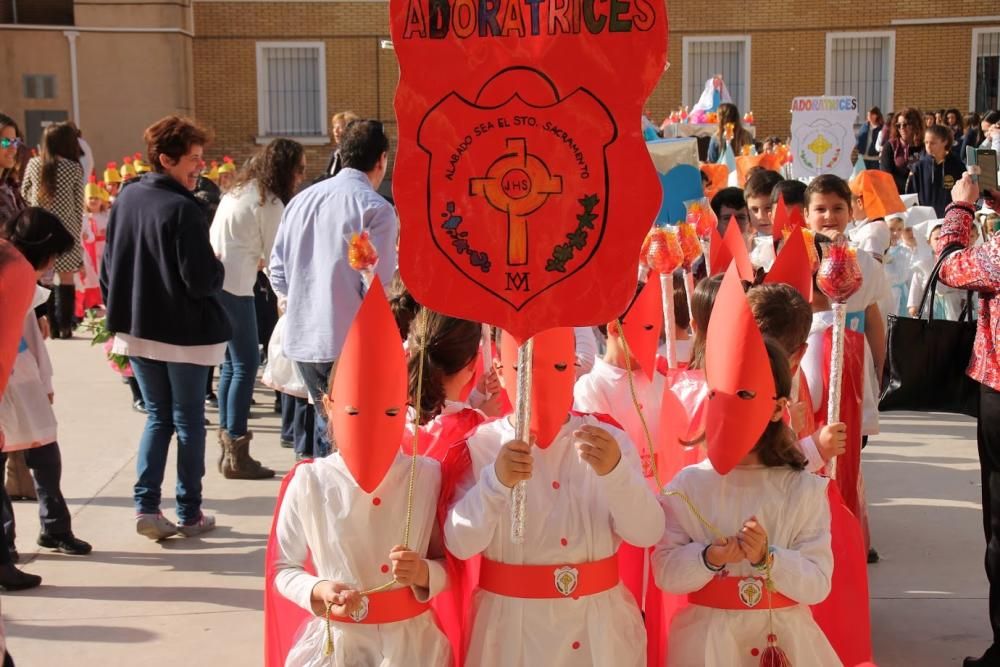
{"points": [[198, 602]]}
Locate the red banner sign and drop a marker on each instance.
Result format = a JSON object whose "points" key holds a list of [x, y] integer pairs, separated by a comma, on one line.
{"points": [[522, 179]]}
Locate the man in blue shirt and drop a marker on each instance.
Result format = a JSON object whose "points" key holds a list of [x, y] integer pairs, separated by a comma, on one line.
{"points": [[309, 266]]}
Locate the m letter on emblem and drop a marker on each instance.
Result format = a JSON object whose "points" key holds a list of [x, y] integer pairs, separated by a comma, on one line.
{"points": [[517, 282]]}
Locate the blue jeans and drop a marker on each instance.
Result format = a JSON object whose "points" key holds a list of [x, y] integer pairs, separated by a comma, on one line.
{"points": [[298, 417], [239, 371], [175, 403], [317, 379]]}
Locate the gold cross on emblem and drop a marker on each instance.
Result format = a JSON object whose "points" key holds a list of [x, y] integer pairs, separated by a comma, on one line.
{"points": [[518, 183]]}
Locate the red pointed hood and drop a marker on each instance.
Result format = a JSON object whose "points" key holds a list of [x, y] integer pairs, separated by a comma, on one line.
{"points": [[723, 250], [643, 325], [793, 266], [369, 396], [553, 376], [740, 383]]}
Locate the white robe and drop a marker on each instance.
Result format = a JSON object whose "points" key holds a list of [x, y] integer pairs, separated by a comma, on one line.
{"points": [[326, 514], [793, 508], [605, 390], [566, 502]]}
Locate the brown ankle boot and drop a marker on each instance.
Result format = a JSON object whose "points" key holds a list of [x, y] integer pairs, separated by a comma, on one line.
{"points": [[225, 445], [243, 466]]}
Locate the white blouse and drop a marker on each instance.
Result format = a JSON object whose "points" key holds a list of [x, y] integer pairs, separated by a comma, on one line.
{"points": [[242, 235]]}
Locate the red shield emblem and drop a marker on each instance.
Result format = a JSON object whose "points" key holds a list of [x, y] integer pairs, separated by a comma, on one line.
{"points": [[517, 197], [523, 184]]}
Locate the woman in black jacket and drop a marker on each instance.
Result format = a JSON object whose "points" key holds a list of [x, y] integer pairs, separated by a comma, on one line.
{"points": [[904, 147], [161, 282], [937, 171]]}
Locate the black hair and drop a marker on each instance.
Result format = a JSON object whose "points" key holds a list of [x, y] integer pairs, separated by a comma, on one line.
{"points": [[729, 197], [793, 192], [363, 144], [38, 235]]}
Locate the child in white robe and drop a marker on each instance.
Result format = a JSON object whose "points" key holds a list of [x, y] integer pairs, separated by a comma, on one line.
{"points": [[346, 513], [767, 519], [555, 600]]}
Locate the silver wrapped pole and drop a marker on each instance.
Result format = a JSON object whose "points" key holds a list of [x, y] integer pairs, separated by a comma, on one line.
{"points": [[689, 289], [522, 432], [836, 373], [669, 329]]}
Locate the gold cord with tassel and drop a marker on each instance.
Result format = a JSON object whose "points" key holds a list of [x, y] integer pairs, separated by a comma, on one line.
{"points": [[650, 448], [772, 655]]}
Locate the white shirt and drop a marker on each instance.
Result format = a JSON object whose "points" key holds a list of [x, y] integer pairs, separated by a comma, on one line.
{"points": [[349, 533], [199, 355], [572, 516], [605, 390], [242, 235], [793, 507], [812, 369]]}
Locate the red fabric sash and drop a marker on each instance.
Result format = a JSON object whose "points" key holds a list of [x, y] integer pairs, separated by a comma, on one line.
{"points": [[724, 593], [549, 581], [399, 604]]}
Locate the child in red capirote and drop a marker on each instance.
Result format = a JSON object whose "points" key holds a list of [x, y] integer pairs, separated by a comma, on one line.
{"points": [[748, 531], [337, 544], [556, 599], [605, 389]]}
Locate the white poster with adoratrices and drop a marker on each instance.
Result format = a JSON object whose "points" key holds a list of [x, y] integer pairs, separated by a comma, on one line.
{"points": [[823, 135]]}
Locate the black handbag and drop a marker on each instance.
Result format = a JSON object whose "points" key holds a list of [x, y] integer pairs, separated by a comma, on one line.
{"points": [[926, 359]]}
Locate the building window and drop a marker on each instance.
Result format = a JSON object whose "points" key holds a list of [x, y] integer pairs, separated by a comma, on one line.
{"points": [[985, 69], [861, 65], [39, 86], [705, 57], [37, 12], [291, 89]]}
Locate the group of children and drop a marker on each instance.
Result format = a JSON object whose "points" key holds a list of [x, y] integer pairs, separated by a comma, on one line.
{"points": [[636, 549]]}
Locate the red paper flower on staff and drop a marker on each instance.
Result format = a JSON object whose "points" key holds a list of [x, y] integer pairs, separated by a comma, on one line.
{"points": [[701, 216], [839, 274], [361, 254], [690, 245], [663, 252]]}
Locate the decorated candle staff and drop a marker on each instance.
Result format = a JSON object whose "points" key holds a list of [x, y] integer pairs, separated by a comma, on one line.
{"points": [[663, 255], [839, 278], [699, 217], [502, 220]]}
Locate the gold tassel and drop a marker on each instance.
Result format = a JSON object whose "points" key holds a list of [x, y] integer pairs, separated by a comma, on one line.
{"points": [[328, 644]]}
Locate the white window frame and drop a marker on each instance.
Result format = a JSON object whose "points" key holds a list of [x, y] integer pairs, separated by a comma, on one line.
{"points": [[976, 33], [891, 34], [743, 105], [263, 117]]}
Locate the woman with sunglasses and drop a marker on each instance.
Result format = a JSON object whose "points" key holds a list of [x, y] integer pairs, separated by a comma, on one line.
{"points": [[905, 146], [11, 201]]}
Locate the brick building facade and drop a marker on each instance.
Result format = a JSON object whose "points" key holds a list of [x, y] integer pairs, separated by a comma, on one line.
{"points": [[254, 69], [890, 53]]}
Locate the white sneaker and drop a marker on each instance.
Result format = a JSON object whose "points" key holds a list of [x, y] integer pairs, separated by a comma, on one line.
{"points": [[155, 526], [204, 524]]}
